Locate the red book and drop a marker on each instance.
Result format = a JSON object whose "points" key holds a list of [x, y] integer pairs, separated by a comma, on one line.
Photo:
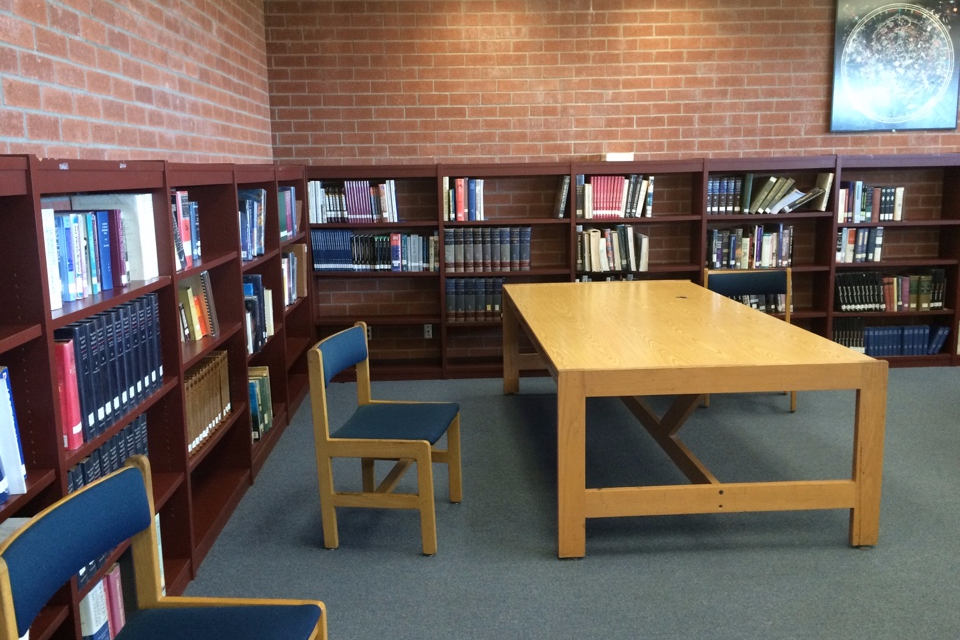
{"points": [[71, 420], [460, 197], [114, 590]]}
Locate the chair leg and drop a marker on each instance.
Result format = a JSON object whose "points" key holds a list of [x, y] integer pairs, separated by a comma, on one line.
{"points": [[454, 468], [428, 515], [328, 513], [368, 475]]}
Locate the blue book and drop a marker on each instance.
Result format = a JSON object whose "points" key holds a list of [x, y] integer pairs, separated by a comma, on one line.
{"points": [[11, 448], [103, 247], [471, 199]]}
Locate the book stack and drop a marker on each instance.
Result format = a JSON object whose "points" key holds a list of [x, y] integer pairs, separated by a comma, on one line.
{"points": [[473, 299], [860, 202], [344, 250], [463, 199], [258, 316], [616, 249], [252, 213], [198, 310], [186, 229], [605, 197], [293, 271], [875, 291], [486, 249], [207, 396], [765, 194], [261, 402], [353, 201], [14, 470], [859, 244], [116, 364], [756, 247], [289, 208]]}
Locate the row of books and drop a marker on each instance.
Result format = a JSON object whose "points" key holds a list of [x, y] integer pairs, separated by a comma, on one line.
{"points": [[258, 312], [885, 341], [353, 201], [462, 199], [207, 397], [473, 299], [290, 211], [860, 202], [96, 242], [604, 197], [859, 244], [261, 401], [107, 458], [107, 364], [765, 194], [13, 469], [875, 291], [773, 303], [486, 249], [756, 247], [186, 229], [615, 249], [252, 214], [608, 277], [198, 311], [293, 273], [344, 250], [102, 610]]}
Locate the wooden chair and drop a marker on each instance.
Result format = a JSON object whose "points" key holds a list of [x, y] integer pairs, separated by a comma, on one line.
{"points": [[737, 283], [53, 546], [400, 431]]}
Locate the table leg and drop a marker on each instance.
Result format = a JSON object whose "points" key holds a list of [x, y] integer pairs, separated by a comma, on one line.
{"points": [[511, 348], [571, 467], [868, 456]]}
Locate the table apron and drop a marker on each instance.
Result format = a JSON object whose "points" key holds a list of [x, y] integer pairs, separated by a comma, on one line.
{"points": [[721, 498]]}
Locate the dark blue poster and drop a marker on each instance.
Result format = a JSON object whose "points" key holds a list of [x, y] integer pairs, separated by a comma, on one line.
{"points": [[895, 66]]}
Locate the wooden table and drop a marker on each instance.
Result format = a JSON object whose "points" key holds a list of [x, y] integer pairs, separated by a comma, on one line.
{"points": [[624, 339]]}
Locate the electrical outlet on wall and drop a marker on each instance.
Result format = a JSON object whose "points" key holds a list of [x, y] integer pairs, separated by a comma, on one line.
{"points": [[428, 331], [369, 332]]}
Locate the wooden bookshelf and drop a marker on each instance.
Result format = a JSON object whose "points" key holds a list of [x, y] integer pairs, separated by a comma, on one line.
{"points": [[194, 492], [679, 227]]}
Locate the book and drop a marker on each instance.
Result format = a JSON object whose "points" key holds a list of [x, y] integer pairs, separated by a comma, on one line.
{"points": [[209, 305], [761, 193], [11, 449], [560, 206], [113, 588], [94, 618], [51, 254], [67, 386], [136, 212]]}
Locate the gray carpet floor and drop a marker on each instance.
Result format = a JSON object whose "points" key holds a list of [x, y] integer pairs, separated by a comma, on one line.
{"points": [[496, 574]]}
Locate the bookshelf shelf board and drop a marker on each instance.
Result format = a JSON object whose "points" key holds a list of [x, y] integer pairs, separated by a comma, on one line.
{"points": [[774, 164], [508, 222], [295, 347], [644, 220], [183, 175], [293, 306], [464, 324], [198, 455], [165, 483], [176, 575], [215, 498], [206, 263], [894, 314], [376, 320], [13, 336], [897, 264], [258, 263], [376, 274], [73, 311], [37, 481], [50, 618], [768, 218], [372, 226], [194, 350]]}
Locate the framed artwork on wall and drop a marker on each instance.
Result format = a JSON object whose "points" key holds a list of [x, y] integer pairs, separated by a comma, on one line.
{"points": [[895, 65]]}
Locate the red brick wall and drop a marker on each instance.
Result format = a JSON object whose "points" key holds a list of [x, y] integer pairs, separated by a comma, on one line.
{"points": [[483, 80], [182, 80]]}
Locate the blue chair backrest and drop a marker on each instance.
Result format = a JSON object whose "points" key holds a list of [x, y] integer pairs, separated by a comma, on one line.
{"points": [[342, 351], [60, 541], [753, 282]]}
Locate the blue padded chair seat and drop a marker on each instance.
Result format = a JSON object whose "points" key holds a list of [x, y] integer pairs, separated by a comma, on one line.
{"points": [[415, 421], [256, 622]]}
